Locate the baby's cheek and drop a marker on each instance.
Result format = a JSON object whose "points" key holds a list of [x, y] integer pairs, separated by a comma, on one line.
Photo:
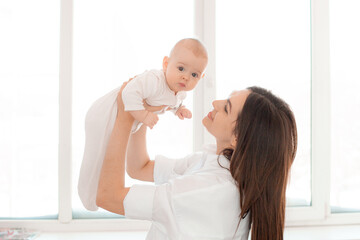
{"points": [[192, 86]]}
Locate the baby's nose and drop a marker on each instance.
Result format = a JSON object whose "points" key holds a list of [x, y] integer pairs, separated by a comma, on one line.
{"points": [[185, 76]]}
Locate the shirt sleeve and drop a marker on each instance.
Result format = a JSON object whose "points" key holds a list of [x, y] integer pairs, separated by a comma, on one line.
{"points": [[167, 168], [185, 202], [152, 203], [141, 87], [138, 203]]}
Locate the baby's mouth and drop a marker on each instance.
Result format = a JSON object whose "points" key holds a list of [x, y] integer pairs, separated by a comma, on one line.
{"points": [[182, 85]]}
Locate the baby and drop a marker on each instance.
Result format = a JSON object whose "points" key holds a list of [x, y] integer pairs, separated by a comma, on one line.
{"points": [[182, 70]]}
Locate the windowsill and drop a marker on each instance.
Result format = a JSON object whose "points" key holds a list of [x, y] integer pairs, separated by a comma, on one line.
{"points": [[350, 232], [109, 235]]}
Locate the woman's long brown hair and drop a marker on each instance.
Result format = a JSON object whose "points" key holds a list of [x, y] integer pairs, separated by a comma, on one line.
{"points": [[260, 163]]}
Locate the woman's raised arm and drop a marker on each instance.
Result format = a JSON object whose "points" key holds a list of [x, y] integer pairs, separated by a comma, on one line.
{"points": [[111, 190], [138, 163]]}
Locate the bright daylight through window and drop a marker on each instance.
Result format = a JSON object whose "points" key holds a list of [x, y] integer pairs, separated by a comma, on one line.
{"points": [[108, 50], [345, 105], [257, 46], [29, 73], [257, 43]]}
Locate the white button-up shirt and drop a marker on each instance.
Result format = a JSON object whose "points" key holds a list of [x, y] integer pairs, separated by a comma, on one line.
{"points": [[195, 198]]}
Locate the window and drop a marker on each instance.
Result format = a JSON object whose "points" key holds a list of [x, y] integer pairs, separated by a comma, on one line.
{"points": [[29, 77], [255, 46], [124, 40], [281, 45], [345, 105]]}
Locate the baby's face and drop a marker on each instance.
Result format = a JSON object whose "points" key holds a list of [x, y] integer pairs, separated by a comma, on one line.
{"points": [[183, 70]]}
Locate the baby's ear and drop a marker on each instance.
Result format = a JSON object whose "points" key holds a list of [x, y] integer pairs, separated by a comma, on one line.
{"points": [[165, 63]]}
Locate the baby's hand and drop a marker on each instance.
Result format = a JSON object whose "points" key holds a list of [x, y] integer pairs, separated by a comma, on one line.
{"points": [[183, 112], [151, 119]]}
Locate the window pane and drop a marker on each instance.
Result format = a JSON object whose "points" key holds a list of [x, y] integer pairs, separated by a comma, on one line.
{"points": [[124, 40], [345, 105], [267, 43], [29, 46]]}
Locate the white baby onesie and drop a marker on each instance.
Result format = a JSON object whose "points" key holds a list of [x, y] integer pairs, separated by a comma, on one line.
{"points": [[151, 86]]}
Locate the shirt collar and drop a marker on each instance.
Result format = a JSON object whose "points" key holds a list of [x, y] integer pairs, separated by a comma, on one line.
{"points": [[181, 95], [210, 149]]}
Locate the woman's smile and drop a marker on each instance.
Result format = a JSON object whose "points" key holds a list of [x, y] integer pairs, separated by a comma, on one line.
{"points": [[210, 115]]}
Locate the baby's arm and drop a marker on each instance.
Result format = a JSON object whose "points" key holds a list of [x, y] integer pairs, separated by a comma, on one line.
{"points": [[133, 95], [146, 117], [183, 112]]}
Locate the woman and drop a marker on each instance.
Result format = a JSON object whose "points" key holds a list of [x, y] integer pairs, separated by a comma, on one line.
{"points": [[214, 194]]}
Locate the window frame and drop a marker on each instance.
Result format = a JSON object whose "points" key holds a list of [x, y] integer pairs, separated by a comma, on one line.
{"points": [[65, 110], [318, 213], [320, 112]]}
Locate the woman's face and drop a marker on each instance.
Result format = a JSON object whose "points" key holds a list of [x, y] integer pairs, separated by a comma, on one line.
{"points": [[220, 122]]}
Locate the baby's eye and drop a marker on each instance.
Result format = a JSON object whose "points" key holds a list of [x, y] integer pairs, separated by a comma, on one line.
{"points": [[194, 75], [181, 69]]}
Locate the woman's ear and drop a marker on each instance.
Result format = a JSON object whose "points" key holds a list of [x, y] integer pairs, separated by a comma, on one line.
{"points": [[165, 63], [233, 141]]}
